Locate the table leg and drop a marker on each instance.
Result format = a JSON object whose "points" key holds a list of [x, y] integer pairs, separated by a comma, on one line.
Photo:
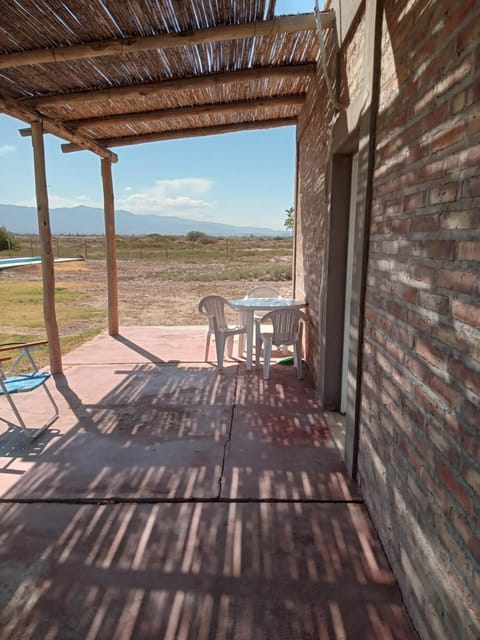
{"points": [[249, 315]]}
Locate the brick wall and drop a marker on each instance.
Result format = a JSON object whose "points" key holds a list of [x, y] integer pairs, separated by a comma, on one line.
{"points": [[314, 148], [420, 429], [312, 138], [419, 448]]}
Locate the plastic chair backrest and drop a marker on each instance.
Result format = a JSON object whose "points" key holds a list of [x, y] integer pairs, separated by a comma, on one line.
{"points": [[286, 325], [263, 291], [214, 307]]}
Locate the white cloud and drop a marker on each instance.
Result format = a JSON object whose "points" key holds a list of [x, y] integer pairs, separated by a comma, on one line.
{"points": [[5, 149], [180, 197], [55, 202]]}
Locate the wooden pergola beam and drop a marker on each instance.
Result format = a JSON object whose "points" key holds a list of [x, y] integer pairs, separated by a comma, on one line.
{"points": [[110, 246], [22, 112], [181, 84], [188, 133], [122, 46], [184, 112]]}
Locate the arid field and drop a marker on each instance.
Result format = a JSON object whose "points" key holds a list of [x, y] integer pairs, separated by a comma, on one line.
{"points": [[155, 287]]}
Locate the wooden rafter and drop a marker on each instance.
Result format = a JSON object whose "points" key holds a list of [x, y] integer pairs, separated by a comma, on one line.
{"points": [[122, 46], [22, 112], [187, 133], [183, 112], [182, 84]]}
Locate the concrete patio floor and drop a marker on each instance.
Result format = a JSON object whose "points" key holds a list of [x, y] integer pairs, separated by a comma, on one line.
{"points": [[171, 501]]}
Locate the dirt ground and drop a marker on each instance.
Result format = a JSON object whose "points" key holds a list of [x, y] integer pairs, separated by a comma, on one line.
{"points": [[146, 296]]}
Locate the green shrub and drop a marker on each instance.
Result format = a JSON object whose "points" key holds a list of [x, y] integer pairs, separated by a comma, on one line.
{"points": [[8, 240], [195, 236]]}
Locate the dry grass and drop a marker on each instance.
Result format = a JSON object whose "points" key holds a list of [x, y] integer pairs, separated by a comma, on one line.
{"points": [[151, 293]]}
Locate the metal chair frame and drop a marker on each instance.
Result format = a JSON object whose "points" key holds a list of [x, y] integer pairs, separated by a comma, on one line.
{"points": [[11, 383]]}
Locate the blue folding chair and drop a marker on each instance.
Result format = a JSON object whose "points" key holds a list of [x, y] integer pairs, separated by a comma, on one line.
{"points": [[11, 383]]}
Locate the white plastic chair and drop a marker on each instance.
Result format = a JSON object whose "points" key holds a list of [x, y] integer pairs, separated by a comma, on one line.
{"points": [[286, 330], [260, 291], [214, 308], [11, 383], [263, 291]]}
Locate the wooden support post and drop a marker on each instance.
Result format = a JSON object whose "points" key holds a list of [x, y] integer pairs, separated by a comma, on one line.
{"points": [[112, 280], [46, 250]]}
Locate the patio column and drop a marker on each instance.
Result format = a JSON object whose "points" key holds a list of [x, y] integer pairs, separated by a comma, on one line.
{"points": [[367, 126], [46, 249], [110, 247]]}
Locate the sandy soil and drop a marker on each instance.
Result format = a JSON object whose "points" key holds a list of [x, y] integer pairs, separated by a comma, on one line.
{"points": [[146, 298]]}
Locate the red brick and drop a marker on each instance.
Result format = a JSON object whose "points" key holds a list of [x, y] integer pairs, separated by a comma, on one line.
{"points": [[445, 390], [401, 225], [414, 415], [431, 354], [459, 338], [464, 375], [471, 187], [461, 281], [414, 201], [453, 76], [444, 193], [433, 170], [416, 367], [473, 124], [455, 488], [438, 438], [405, 292], [458, 14], [377, 337], [471, 443], [440, 496], [425, 101], [405, 337], [432, 302], [437, 116], [469, 251], [448, 138], [451, 423], [471, 156], [422, 150], [459, 101], [472, 477], [394, 350], [396, 309], [425, 223], [420, 321], [468, 313], [471, 413], [393, 207], [423, 274], [440, 249], [429, 406], [468, 36], [465, 530]]}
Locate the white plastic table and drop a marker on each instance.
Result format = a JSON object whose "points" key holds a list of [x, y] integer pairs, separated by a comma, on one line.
{"points": [[250, 305]]}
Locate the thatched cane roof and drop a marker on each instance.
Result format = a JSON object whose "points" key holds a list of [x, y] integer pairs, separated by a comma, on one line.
{"points": [[102, 74]]}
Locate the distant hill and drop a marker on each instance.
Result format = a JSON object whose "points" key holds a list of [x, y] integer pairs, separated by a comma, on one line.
{"points": [[89, 221]]}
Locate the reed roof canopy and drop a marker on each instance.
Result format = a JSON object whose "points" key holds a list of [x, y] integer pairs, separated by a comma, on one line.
{"points": [[105, 74]]}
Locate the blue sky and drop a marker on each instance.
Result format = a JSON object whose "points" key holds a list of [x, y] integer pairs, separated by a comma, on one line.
{"points": [[244, 179]]}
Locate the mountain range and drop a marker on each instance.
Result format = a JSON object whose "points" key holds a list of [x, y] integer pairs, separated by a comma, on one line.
{"points": [[90, 221]]}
